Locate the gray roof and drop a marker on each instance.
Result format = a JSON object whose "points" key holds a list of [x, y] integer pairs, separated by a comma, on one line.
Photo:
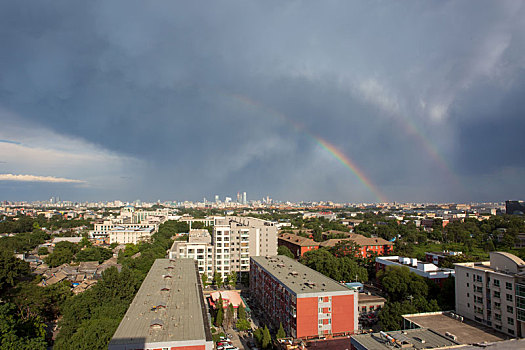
{"points": [[179, 316], [421, 338], [297, 277]]}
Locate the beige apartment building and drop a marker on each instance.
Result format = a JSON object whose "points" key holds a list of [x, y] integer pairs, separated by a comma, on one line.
{"points": [[125, 235], [493, 292]]}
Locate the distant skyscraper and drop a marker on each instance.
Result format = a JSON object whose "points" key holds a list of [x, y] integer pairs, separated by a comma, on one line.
{"points": [[244, 198], [515, 207], [238, 197], [216, 198]]}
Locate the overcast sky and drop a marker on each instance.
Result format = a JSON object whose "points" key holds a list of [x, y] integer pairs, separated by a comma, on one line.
{"points": [[175, 100]]}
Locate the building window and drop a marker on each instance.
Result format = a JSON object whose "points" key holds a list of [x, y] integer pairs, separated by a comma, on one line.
{"points": [[508, 285], [497, 317], [511, 331], [509, 297], [468, 285], [510, 321], [497, 294], [496, 283], [510, 309], [479, 278]]}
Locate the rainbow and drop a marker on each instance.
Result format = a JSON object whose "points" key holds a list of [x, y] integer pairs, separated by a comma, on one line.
{"points": [[330, 148]]}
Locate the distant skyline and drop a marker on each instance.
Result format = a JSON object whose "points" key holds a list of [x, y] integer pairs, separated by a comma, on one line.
{"points": [[303, 101]]}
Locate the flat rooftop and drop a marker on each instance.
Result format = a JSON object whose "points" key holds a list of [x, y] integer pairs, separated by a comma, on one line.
{"points": [[366, 298], [168, 306], [467, 332], [297, 277], [512, 344], [421, 338]]}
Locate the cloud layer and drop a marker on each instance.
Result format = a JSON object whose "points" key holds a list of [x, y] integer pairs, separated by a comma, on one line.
{"points": [[35, 178], [173, 100]]}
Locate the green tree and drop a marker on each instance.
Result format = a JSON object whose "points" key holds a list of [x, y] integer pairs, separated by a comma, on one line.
{"points": [[241, 312], [43, 251], [400, 284], [242, 325], [204, 278], [346, 248], [267, 338], [11, 270], [17, 332], [229, 318], [283, 250], [258, 335], [217, 279], [281, 333], [232, 278], [219, 317]]}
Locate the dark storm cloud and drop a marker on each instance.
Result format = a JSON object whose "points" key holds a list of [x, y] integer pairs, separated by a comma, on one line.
{"points": [[197, 93]]}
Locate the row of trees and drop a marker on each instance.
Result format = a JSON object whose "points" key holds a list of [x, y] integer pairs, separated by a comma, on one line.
{"points": [[409, 293], [339, 268], [23, 223], [25, 307], [66, 252]]}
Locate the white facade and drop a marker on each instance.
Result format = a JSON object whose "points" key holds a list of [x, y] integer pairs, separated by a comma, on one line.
{"points": [[424, 269], [493, 292], [198, 248], [124, 235], [235, 240]]}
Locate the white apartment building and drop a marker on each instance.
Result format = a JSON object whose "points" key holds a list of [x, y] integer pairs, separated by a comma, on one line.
{"points": [[130, 219], [234, 241], [198, 248], [493, 292], [124, 235], [237, 238]]}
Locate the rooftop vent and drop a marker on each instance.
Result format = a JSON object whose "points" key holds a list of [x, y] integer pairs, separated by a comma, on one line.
{"points": [[156, 324], [165, 289]]}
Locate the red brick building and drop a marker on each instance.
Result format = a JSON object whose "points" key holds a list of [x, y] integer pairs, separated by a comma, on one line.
{"points": [[298, 245], [308, 304], [367, 245]]}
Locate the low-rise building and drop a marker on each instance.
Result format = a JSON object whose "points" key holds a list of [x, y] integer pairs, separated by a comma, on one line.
{"points": [[306, 302], [437, 258], [124, 234], [168, 311], [422, 268], [367, 245], [368, 303], [298, 245]]}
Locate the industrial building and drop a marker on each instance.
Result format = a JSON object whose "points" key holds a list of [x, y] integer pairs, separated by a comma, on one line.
{"points": [[168, 311], [308, 303]]}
